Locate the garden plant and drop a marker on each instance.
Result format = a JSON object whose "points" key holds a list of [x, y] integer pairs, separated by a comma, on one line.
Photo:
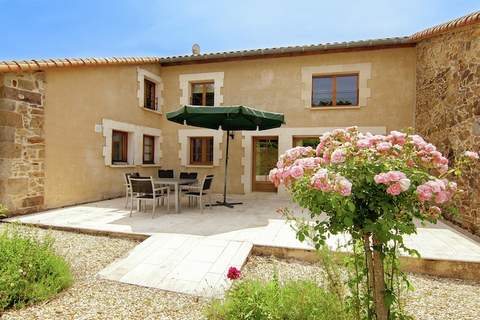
{"points": [[30, 271], [372, 188]]}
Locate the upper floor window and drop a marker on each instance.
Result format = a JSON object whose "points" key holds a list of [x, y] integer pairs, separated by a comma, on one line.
{"points": [[119, 147], [201, 150], [150, 97], [148, 149], [335, 90], [202, 94]]}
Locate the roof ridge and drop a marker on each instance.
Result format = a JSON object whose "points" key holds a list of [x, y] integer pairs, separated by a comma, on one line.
{"points": [[463, 21]]}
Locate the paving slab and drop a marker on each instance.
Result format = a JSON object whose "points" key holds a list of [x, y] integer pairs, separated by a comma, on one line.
{"points": [[182, 263]]}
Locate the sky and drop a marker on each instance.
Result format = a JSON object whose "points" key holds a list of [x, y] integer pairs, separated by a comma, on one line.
{"points": [[34, 29]]}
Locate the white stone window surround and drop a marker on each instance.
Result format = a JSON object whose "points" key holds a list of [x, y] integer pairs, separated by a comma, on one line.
{"points": [[184, 136], [135, 142], [143, 74], [364, 71], [285, 141], [187, 79]]}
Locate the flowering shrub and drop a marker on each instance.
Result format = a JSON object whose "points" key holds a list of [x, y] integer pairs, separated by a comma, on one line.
{"points": [[233, 273], [371, 187], [30, 271]]}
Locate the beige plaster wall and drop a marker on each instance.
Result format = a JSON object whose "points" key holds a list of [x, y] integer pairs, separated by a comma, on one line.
{"points": [[276, 85], [79, 98], [76, 100]]}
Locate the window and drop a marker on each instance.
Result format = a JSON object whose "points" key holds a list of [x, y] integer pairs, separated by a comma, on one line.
{"points": [[119, 147], [201, 151], [150, 100], [300, 141], [335, 90], [148, 149], [202, 94]]}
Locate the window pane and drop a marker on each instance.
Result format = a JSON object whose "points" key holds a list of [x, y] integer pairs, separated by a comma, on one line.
{"points": [[119, 145], [201, 149], [148, 149], [197, 99], [347, 90], [322, 91], [149, 97], [209, 87], [209, 142], [197, 150], [210, 99], [306, 142], [197, 88]]}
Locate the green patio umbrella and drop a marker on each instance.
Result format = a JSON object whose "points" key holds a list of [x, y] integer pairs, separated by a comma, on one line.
{"points": [[227, 118]]}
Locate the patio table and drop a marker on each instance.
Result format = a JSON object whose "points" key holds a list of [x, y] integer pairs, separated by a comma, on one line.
{"points": [[176, 182]]}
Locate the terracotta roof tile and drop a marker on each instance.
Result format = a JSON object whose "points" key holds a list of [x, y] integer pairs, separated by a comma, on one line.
{"points": [[447, 26]]}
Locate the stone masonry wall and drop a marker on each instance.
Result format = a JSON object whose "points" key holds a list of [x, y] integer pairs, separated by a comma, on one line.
{"points": [[448, 106], [22, 145]]}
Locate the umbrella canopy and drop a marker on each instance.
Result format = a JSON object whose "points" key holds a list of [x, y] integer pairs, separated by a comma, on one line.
{"points": [[231, 118]]}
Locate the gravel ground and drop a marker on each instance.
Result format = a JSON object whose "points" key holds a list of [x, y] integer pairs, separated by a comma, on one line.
{"points": [[94, 298], [433, 299]]}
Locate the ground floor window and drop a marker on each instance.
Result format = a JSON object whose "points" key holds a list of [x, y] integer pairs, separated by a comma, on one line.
{"points": [[201, 150], [148, 149], [119, 147], [306, 141]]}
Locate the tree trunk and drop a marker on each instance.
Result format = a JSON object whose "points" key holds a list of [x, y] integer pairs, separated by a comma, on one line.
{"points": [[376, 276], [379, 280]]}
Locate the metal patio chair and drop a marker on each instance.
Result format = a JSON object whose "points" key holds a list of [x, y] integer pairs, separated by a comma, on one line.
{"points": [[146, 191], [203, 189], [128, 185]]}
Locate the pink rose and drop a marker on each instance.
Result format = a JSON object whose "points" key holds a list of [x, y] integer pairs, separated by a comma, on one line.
{"points": [[384, 146], [430, 147], [424, 192], [308, 163], [472, 155], [296, 171], [343, 186], [363, 143], [380, 178], [441, 197], [395, 176], [394, 189], [338, 156], [404, 184]]}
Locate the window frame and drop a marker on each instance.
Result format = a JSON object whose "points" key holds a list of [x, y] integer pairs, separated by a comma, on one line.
{"points": [[204, 84], [334, 89], [124, 142], [204, 160], [147, 83], [153, 149]]}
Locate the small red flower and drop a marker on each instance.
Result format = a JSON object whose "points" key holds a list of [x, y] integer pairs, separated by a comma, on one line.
{"points": [[233, 273]]}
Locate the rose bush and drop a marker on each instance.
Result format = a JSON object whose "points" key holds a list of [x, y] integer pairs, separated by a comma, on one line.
{"points": [[372, 187]]}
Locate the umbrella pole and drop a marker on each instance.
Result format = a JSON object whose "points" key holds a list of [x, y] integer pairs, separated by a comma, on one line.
{"points": [[226, 167], [224, 202]]}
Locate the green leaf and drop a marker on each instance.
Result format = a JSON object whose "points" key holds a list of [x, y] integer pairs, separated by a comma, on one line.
{"points": [[351, 206], [348, 221]]}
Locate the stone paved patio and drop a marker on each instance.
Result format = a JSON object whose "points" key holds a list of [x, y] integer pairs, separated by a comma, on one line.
{"points": [[190, 252]]}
